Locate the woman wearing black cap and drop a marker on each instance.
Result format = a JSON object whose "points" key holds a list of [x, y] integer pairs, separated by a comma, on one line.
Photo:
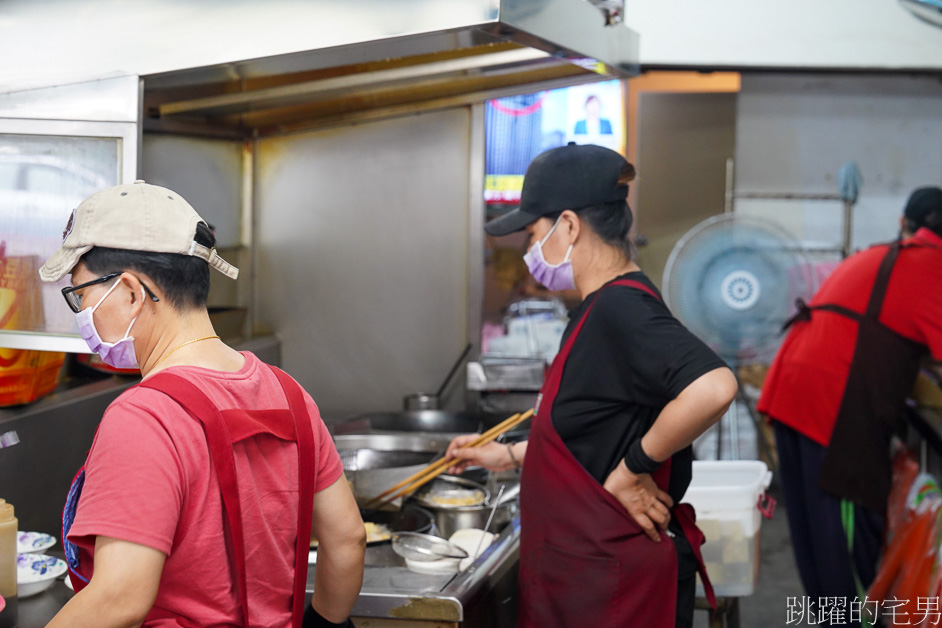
{"points": [[609, 455], [920, 206]]}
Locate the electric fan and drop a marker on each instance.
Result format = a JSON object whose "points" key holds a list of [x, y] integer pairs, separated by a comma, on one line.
{"points": [[733, 281], [928, 10]]}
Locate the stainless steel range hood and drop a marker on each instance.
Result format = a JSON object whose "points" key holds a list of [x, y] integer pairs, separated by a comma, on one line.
{"points": [[377, 58]]}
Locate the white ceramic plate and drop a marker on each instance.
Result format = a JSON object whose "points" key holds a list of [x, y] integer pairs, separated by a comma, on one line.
{"points": [[473, 541], [27, 542], [36, 572], [433, 567]]}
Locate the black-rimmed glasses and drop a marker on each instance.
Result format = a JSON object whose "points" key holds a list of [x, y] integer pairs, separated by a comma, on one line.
{"points": [[74, 299]]}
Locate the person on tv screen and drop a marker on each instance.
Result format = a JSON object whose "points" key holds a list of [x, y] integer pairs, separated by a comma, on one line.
{"points": [[593, 124]]}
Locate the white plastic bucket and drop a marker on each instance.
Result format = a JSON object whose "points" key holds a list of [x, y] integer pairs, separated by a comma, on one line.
{"points": [[725, 495]]}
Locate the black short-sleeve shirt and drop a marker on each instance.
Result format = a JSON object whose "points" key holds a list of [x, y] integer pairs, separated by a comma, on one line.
{"points": [[630, 359]]}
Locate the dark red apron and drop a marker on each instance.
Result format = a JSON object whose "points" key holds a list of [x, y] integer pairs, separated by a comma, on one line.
{"points": [[584, 561], [222, 430], [882, 374]]}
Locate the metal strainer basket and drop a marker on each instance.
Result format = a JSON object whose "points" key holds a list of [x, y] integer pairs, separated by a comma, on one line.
{"points": [[425, 547]]}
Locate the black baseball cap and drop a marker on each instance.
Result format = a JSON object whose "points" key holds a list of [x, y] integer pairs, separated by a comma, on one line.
{"points": [[922, 202], [569, 177]]}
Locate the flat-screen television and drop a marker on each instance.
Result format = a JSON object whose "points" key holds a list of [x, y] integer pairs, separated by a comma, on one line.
{"points": [[518, 128]]}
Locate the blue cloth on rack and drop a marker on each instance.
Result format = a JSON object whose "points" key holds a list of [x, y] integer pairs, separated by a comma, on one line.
{"points": [[848, 181]]}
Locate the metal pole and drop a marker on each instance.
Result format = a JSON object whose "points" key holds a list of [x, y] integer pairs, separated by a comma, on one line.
{"points": [[848, 217]]}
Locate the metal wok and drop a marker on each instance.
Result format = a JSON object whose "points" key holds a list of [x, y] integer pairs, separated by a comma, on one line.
{"points": [[373, 463], [411, 518], [433, 422]]}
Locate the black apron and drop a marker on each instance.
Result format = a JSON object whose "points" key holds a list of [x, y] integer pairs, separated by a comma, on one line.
{"points": [[882, 373]]}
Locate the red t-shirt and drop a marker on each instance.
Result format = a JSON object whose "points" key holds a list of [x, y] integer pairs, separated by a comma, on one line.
{"points": [[149, 480], [806, 381]]}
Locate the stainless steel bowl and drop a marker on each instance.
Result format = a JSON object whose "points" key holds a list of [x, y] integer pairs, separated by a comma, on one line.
{"points": [[425, 547]]}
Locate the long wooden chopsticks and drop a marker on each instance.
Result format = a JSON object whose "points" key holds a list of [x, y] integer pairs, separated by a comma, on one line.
{"points": [[441, 465]]}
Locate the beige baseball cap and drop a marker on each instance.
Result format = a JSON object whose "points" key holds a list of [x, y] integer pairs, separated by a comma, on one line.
{"points": [[138, 217]]}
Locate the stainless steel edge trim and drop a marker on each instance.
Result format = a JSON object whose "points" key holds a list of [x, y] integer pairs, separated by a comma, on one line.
{"points": [[476, 217], [220, 105], [36, 341]]}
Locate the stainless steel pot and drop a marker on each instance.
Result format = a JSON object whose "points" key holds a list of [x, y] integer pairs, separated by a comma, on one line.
{"points": [[447, 522], [420, 401], [433, 401], [449, 519]]}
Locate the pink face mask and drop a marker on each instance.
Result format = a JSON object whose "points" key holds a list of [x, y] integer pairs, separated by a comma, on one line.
{"points": [[118, 354], [553, 276]]}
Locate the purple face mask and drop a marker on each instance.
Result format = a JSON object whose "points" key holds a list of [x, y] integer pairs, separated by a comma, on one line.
{"points": [[553, 276], [118, 354]]}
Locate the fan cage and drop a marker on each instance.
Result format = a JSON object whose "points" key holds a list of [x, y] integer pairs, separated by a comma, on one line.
{"points": [[733, 281]]}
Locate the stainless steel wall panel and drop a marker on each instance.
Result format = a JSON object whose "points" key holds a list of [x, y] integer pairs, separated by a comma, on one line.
{"points": [[476, 213], [208, 173], [362, 256]]}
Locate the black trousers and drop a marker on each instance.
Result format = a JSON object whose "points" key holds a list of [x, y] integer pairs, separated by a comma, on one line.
{"points": [[686, 592], [814, 520], [686, 576]]}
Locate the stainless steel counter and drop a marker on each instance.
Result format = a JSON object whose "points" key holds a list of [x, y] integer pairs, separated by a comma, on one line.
{"points": [[393, 596], [38, 610], [486, 593], [482, 595]]}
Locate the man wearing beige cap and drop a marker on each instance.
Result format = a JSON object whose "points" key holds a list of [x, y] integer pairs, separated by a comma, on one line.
{"points": [[195, 504]]}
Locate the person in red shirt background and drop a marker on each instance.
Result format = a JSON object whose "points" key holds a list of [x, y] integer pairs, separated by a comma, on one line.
{"points": [[836, 390], [205, 481]]}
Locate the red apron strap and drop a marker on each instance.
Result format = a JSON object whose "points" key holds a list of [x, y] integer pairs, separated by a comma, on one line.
{"points": [[882, 281], [556, 374], [307, 479], [687, 518], [199, 405]]}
